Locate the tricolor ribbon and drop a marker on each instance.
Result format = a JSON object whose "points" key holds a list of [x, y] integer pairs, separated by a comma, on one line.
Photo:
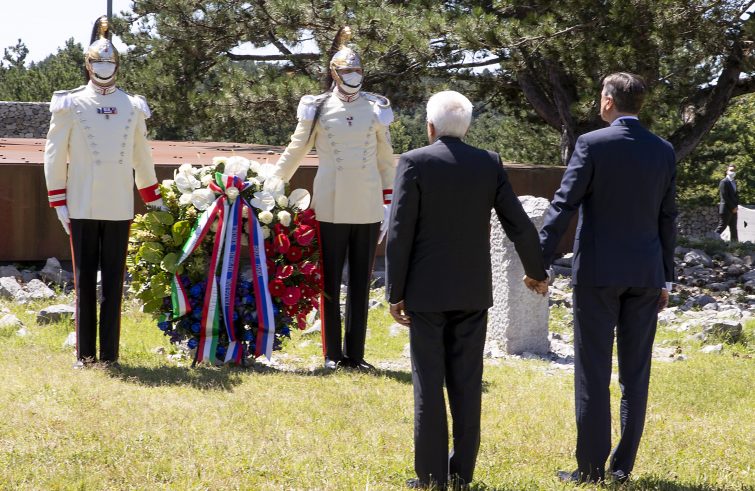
{"points": [[220, 294]]}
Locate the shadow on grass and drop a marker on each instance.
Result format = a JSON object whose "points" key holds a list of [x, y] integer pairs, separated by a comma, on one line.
{"points": [[642, 484], [204, 378]]}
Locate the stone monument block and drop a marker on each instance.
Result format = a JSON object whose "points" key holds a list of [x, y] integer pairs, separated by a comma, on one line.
{"points": [[518, 320]]}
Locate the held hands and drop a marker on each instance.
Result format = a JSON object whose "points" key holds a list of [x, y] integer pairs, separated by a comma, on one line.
{"points": [[65, 220], [399, 314], [384, 224], [537, 286]]}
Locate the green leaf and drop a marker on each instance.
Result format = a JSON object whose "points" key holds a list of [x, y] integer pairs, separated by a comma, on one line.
{"points": [[181, 231], [153, 306], [152, 252], [169, 262]]}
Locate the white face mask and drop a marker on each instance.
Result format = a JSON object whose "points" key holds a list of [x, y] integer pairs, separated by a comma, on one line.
{"points": [[352, 82], [731, 174], [103, 71]]}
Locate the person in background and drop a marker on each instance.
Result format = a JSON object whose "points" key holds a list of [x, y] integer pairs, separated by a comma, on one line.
{"points": [[728, 204]]}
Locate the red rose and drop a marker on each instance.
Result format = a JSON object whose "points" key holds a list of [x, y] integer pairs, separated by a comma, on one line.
{"points": [[279, 229], [308, 292], [284, 272], [277, 288], [294, 254], [291, 296], [304, 235], [307, 217], [282, 243]]}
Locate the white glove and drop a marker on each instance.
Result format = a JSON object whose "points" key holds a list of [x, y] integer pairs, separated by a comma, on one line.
{"points": [[62, 212], [384, 225], [158, 205]]}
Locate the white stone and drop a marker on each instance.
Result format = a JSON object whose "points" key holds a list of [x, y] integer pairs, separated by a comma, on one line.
{"points": [[70, 340], [10, 320], [712, 348], [518, 320], [38, 290], [9, 287]]}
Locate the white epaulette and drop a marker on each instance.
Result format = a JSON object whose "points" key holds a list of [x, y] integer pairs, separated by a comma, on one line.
{"points": [[381, 107], [308, 106], [61, 99], [140, 103]]}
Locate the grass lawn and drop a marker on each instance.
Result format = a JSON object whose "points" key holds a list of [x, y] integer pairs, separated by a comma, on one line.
{"points": [[161, 425]]}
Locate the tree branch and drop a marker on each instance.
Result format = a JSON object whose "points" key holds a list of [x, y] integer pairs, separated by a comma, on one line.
{"points": [[278, 57]]}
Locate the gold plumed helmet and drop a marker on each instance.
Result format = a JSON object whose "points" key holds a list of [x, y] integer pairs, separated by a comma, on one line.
{"points": [[345, 57], [102, 48]]}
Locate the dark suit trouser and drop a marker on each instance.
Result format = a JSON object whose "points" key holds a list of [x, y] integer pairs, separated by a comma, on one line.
{"points": [[358, 242], [447, 346], [728, 219], [98, 244], [633, 312]]}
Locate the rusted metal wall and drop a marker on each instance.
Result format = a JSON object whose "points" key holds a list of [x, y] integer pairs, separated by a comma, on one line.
{"points": [[32, 232]]}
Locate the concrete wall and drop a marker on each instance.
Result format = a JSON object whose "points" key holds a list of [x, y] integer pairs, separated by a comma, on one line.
{"points": [[24, 119]]}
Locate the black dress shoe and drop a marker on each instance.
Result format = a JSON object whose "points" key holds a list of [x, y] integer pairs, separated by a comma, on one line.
{"points": [[84, 363], [111, 365], [619, 476], [415, 483], [358, 365], [575, 477]]}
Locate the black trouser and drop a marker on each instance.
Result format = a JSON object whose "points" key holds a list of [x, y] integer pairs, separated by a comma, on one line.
{"points": [[728, 219], [447, 346], [98, 244], [358, 242], [634, 314]]}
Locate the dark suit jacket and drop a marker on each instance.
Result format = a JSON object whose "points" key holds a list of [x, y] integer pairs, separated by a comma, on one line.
{"points": [[623, 181], [729, 198], [439, 236]]}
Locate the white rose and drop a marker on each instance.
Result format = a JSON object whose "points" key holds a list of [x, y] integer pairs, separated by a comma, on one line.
{"points": [[285, 218], [206, 180], [186, 182], [265, 232], [255, 166], [245, 212], [202, 198], [255, 182], [186, 169], [232, 192], [167, 182], [214, 226], [265, 217], [237, 166], [218, 160], [185, 199]]}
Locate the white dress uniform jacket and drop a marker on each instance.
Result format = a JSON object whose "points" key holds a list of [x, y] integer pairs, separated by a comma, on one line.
{"points": [[357, 167], [96, 143]]}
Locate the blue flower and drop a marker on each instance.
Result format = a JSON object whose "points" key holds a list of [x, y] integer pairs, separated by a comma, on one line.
{"points": [[193, 343], [164, 326], [248, 299], [195, 327], [247, 335], [195, 290], [221, 351]]}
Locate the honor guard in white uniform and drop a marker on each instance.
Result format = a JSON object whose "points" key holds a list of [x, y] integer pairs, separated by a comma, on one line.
{"points": [[351, 194], [96, 147]]}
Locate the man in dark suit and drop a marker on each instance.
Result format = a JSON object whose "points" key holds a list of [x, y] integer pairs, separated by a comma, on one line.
{"points": [[622, 180], [727, 207], [439, 280]]}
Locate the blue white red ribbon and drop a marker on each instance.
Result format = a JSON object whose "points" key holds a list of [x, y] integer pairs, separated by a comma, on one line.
{"points": [[220, 294]]}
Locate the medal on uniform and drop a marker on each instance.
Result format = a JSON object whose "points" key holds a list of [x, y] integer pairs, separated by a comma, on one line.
{"points": [[107, 111], [350, 119]]}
